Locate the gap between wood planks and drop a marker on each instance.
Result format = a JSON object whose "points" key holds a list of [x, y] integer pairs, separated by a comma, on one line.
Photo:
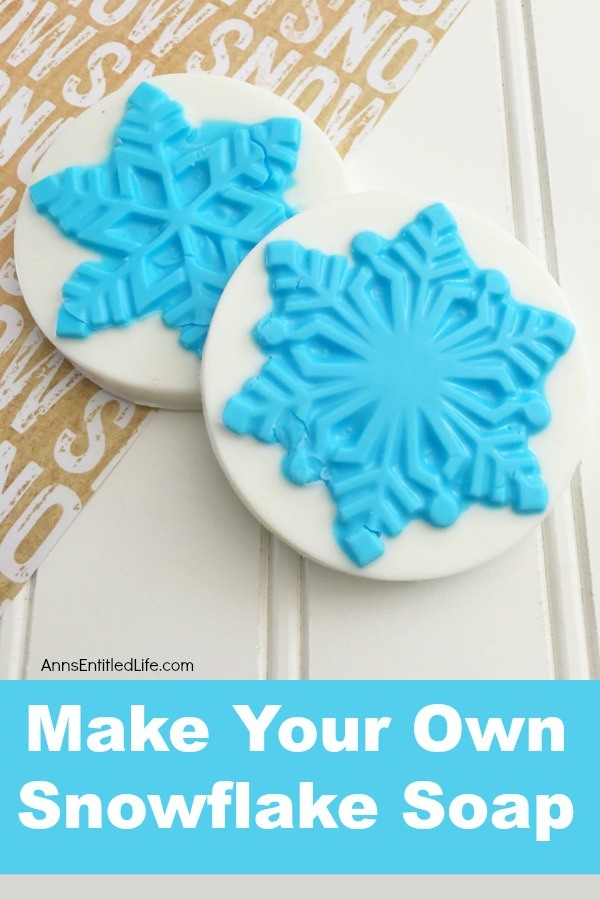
{"points": [[283, 611], [15, 633]]}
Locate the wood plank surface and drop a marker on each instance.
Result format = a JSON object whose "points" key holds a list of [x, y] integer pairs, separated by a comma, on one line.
{"points": [[166, 563]]}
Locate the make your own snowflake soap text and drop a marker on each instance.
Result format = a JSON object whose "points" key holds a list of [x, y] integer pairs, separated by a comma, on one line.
{"points": [[172, 212], [267, 729], [407, 380]]}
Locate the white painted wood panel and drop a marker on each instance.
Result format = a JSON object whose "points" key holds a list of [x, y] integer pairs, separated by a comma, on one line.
{"points": [[568, 69], [166, 563], [14, 634]]}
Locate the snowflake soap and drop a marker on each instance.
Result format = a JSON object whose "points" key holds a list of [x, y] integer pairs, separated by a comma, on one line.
{"points": [[142, 209], [400, 394]]}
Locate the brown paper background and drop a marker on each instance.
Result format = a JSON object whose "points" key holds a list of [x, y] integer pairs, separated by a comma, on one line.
{"points": [[342, 61]]}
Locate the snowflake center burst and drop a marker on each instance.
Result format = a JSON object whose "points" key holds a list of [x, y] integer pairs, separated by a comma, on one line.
{"points": [[172, 213], [402, 370], [408, 381]]}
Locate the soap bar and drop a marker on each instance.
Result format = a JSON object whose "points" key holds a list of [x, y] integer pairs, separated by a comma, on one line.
{"points": [[142, 209], [395, 387]]}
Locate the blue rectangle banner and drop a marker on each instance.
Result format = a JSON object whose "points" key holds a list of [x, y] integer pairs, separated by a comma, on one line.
{"points": [[299, 777]]}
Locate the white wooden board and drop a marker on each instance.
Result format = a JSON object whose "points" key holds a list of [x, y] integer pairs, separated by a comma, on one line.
{"points": [[166, 563]]}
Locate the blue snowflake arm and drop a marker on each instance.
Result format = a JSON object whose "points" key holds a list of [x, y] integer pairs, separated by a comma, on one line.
{"points": [[305, 287], [102, 207]]}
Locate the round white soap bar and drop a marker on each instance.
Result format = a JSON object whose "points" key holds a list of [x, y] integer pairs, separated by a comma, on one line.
{"points": [[143, 361], [420, 400]]}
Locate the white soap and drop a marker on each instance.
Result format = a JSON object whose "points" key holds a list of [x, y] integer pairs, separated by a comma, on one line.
{"points": [[303, 516], [143, 361]]}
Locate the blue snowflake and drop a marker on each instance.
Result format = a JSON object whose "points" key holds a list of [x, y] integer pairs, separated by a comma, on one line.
{"points": [[172, 212], [408, 381]]}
